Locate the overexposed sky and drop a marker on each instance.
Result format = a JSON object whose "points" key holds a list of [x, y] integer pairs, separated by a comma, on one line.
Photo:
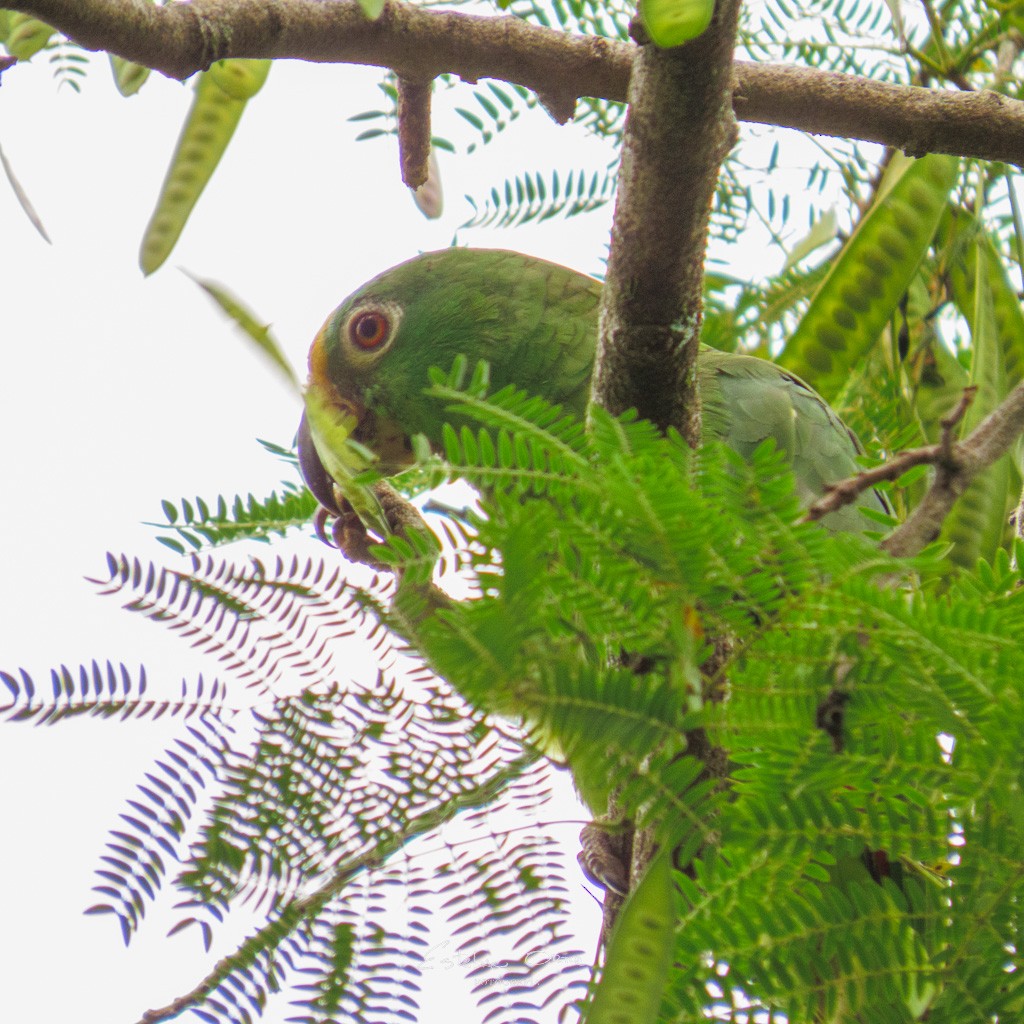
{"points": [[118, 391]]}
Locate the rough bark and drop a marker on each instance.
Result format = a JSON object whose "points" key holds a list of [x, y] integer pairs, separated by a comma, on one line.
{"points": [[414, 131], [679, 130]]}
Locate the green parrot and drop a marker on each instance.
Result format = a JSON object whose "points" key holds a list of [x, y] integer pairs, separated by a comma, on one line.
{"points": [[535, 323]]}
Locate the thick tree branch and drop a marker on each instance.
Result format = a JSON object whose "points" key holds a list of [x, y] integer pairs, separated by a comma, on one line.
{"points": [[679, 129], [182, 38], [982, 124]]}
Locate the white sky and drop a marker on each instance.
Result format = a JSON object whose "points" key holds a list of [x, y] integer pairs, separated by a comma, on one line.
{"points": [[117, 391]]}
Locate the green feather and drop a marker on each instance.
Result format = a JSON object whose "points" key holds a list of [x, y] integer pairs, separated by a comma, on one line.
{"points": [[535, 323]]}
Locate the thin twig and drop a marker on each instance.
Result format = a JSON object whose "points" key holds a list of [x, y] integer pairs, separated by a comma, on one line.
{"points": [[958, 464], [847, 491]]}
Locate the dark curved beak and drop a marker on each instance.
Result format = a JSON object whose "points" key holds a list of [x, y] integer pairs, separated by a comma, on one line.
{"points": [[317, 478]]}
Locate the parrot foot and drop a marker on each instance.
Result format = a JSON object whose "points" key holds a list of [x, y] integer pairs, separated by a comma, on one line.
{"points": [[347, 533], [352, 539]]}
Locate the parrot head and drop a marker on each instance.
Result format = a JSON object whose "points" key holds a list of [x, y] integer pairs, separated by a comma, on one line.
{"points": [[534, 322]]}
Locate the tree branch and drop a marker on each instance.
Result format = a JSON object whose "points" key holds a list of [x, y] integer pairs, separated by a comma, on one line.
{"points": [[957, 463], [181, 38], [989, 441], [847, 491], [414, 131], [679, 130]]}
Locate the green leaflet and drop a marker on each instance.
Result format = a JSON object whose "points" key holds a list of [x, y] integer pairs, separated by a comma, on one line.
{"points": [[869, 276], [194, 525], [22, 196], [674, 22], [821, 232], [977, 526], [208, 129], [251, 326], [640, 952]]}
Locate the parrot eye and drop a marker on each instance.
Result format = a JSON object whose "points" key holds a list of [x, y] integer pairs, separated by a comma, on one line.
{"points": [[369, 330]]}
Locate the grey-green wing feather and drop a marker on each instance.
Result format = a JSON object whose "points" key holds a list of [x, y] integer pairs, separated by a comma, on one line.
{"points": [[747, 400]]}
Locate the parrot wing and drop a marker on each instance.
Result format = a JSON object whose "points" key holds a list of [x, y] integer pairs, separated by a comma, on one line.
{"points": [[746, 400]]}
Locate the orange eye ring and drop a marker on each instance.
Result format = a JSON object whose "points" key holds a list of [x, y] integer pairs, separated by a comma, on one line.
{"points": [[369, 330]]}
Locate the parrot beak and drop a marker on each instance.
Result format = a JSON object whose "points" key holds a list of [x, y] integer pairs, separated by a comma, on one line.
{"points": [[318, 480], [332, 460], [338, 441]]}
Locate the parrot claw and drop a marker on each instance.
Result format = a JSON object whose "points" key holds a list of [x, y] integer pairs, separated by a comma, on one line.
{"points": [[345, 531], [320, 519]]}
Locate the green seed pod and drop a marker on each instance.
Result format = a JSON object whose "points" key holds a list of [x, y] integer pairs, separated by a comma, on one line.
{"points": [[240, 78], [205, 136], [978, 525], [640, 952], [674, 22], [128, 76], [26, 35], [1006, 307], [870, 274]]}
